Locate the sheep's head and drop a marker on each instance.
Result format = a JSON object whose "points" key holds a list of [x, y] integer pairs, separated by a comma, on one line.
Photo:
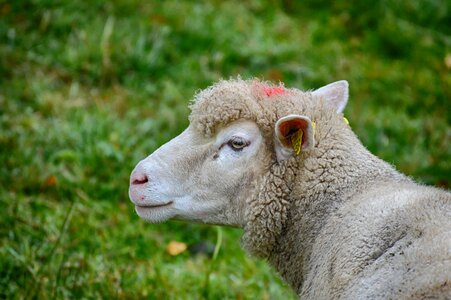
{"points": [[240, 131]]}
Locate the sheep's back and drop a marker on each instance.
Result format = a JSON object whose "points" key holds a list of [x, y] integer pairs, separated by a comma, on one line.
{"points": [[391, 241]]}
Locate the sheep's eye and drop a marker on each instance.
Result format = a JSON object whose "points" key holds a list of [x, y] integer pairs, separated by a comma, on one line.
{"points": [[237, 144]]}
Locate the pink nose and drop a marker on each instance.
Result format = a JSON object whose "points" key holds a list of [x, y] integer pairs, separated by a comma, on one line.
{"points": [[138, 178]]}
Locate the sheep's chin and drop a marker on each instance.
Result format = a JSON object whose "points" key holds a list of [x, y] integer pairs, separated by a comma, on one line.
{"points": [[154, 214]]}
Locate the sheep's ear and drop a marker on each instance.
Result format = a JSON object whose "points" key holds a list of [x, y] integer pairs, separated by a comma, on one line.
{"points": [[294, 133], [335, 94]]}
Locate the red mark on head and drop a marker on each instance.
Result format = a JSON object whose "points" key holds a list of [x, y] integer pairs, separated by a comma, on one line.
{"points": [[271, 90]]}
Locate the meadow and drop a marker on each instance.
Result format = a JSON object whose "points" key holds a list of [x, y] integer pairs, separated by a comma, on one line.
{"points": [[88, 88]]}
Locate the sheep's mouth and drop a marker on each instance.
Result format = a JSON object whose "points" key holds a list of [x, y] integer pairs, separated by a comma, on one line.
{"points": [[153, 205]]}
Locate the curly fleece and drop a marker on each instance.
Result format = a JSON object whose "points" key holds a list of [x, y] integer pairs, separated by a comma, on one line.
{"points": [[336, 221]]}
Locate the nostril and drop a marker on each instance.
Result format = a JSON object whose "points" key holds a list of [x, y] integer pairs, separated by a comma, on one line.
{"points": [[140, 179]]}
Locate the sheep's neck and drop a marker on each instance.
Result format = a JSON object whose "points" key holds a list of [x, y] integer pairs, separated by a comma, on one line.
{"points": [[323, 184]]}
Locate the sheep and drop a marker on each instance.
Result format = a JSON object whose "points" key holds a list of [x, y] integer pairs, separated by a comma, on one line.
{"points": [[334, 220]]}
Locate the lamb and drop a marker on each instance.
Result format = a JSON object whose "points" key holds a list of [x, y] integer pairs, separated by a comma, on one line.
{"points": [[334, 220]]}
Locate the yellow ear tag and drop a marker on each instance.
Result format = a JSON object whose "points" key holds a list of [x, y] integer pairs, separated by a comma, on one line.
{"points": [[296, 141], [346, 120]]}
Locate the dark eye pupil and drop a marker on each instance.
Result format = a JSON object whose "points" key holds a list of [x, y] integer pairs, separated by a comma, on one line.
{"points": [[238, 143]]}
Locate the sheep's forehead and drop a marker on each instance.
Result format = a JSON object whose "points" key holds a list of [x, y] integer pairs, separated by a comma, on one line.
{"points": [[228, 101]]}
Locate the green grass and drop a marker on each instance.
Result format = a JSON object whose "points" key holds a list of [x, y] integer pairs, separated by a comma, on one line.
{"points": [[88, 88]]}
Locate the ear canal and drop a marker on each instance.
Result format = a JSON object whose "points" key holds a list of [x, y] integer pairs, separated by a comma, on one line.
{"points": [[335, 94], [294, 133]]}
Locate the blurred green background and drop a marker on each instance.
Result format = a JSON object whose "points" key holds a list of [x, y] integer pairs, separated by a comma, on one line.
{"points": [[88, 88]]}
